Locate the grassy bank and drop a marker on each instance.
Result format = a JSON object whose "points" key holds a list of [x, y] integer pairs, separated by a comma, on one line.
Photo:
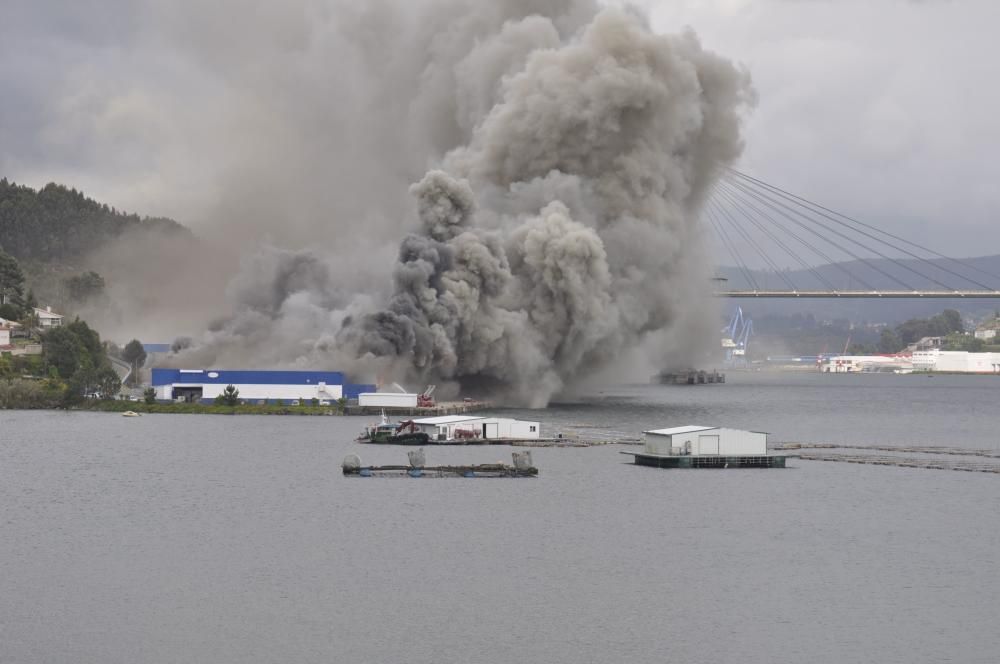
{"points": [[204, 409]]}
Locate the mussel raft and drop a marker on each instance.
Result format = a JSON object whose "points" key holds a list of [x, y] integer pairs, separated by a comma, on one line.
{"points": [[522, 468]]}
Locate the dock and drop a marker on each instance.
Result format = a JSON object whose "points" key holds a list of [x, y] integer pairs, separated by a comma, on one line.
{"points": [[707, 461]]}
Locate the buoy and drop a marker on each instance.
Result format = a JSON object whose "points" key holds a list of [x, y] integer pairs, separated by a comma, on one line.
{"points": [[351, 462]]}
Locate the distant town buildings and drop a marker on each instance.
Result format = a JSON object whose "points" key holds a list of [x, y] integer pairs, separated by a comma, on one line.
{"points": [[925, 343], [988, 330]]}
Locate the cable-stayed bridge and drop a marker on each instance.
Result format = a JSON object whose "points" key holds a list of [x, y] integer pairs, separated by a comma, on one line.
{"points": [[840, 256]]}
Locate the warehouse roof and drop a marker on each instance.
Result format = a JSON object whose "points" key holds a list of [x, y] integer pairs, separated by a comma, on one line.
{"points": [[676, 430]]}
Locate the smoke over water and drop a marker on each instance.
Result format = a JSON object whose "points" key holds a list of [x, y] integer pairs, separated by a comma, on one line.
{"points": [[555, 232]]}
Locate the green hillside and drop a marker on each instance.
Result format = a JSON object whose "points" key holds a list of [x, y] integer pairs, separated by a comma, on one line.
{"points": [[57, 224]]}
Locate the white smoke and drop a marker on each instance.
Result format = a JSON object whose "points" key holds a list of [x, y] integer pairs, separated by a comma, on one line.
{"points": [[557, 231]]}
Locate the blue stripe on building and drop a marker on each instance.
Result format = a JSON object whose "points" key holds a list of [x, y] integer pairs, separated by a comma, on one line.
{"points": [[244, 377]]}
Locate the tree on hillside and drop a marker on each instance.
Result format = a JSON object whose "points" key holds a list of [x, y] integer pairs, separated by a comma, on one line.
{"points": [[135, 355], [63, 351], [73, 348], [940, 325], [57, 223], [960, 341], [84, 287], [889, 342], [11, 283]]}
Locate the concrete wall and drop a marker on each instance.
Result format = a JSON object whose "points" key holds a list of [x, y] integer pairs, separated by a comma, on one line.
{"points": [[4, 336], [387, 400]]}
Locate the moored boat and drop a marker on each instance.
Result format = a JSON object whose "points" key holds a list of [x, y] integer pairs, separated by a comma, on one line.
{"points": [[403, 433]]}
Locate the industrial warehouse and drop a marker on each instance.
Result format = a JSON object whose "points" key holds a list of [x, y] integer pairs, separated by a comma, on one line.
{"points": [[255, 386]]}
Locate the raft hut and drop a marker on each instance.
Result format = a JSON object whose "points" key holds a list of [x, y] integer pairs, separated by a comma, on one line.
{"points": [[696, 446], [473, 428]]}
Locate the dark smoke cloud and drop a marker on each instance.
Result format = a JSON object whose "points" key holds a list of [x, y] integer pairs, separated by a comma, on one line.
{"points": [[632, 124]]}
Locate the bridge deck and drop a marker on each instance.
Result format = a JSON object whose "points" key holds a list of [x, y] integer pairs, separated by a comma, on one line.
{"points": [[897, 294]]}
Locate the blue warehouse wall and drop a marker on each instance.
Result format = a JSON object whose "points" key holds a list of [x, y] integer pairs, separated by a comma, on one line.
{"points": [[245, 377], [351, 391]]}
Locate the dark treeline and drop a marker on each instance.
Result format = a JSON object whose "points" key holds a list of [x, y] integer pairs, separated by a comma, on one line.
{"points": [[57, 223]]}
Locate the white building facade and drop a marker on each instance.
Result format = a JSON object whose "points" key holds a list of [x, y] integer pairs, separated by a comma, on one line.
{"points": [[957, 361], [453, 427], [47, 318], [705, 441], [388, 399]]}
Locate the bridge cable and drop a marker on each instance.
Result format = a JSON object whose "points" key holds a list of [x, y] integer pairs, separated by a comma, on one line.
{"points": [[753, 243], [823, 255], [847, 251], [768, 201], [730, 246], [809, 205], [778, 241]]}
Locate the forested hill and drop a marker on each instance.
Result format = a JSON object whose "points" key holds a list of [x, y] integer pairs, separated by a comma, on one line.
{"points": [[57, 223]]}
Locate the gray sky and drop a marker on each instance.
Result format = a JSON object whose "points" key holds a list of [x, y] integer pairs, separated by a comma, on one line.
{"points": [[883, 109]]}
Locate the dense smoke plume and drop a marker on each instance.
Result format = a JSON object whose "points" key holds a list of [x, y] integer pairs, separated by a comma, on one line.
{"points": [[567, 151]]}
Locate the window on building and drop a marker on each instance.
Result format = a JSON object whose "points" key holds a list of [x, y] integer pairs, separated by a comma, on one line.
{"points": [[531, 428]]}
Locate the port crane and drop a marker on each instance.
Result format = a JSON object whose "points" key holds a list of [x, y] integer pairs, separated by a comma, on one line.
{"points": [[736, 337]]}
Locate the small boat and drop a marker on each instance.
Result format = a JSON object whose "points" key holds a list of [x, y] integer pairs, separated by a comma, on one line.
{"points": [[131, 413], [404, 433]]}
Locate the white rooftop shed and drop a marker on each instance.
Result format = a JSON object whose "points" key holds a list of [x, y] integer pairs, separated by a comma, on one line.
{"points": [[447, 427], [387, 399], [704, 441]]}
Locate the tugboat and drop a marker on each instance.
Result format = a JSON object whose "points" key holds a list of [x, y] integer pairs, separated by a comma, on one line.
{"points": [[404, 433]]}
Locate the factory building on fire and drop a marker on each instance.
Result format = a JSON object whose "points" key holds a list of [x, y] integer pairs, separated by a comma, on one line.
{"points": [[284, 387]]}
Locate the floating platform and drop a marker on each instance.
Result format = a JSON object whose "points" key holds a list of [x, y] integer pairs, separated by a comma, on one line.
{"points": [[481, 470], [522, 468], [514, 442], [689, 377], [709, 461]]}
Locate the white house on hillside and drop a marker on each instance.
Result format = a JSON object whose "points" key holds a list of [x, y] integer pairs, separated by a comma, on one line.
{"points": [[4, 335], [47, 318]]}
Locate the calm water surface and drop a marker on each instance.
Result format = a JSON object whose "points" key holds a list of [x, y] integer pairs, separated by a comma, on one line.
{"points": [[236, 539]]}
